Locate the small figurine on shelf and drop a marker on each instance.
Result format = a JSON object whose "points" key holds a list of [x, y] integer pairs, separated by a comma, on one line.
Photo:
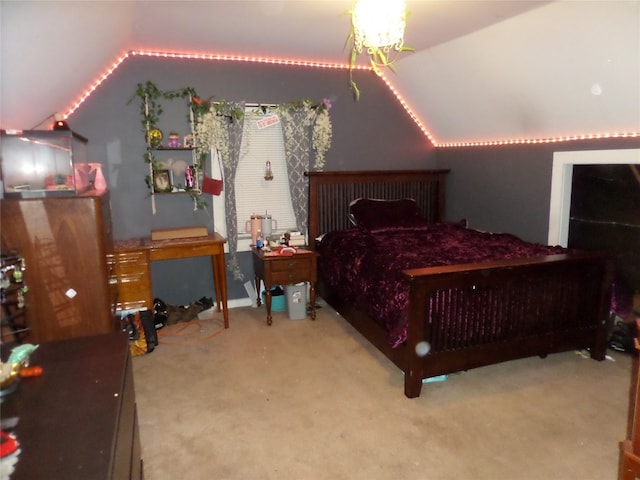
{"points": [[174, 140]]}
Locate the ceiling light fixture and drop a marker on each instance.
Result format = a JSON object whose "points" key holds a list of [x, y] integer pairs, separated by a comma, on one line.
{"points": [[377, 28], [379, 25]]}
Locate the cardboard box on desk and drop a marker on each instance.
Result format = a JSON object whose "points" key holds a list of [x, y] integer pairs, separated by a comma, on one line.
{"points": [[182, 232]]}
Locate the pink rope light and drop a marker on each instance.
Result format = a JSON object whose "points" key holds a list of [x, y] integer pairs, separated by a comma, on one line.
{"points": [[338, 66]]}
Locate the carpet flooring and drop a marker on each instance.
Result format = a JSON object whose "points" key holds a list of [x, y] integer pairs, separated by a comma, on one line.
{"points": [[306, 399]]}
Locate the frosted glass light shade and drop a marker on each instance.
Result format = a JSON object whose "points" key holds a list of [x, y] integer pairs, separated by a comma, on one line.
{"points": [[379, 24]]}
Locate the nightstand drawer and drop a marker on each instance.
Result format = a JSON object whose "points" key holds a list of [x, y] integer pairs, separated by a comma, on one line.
{"points": [[292, 276], [291, 263]]}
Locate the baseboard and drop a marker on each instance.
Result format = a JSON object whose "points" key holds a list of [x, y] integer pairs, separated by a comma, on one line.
{"points": [[239, 302], [235, 303]]}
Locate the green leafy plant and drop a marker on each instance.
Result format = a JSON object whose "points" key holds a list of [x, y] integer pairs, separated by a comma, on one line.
{"points": [[150, 97]]}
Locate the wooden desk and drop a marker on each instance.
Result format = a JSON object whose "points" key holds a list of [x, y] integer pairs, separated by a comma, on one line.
{"points": [[629, 467], [132, 261]]}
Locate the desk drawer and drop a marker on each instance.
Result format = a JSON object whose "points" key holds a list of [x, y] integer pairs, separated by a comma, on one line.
{"points": [[135, 262], [133, 279], [134, 295], [185, 251]]}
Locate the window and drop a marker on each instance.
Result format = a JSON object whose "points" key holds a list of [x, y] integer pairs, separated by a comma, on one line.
{"points": [[262, 141]]}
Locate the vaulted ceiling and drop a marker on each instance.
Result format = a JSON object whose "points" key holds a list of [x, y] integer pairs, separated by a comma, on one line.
{"points": [[481, 70]]}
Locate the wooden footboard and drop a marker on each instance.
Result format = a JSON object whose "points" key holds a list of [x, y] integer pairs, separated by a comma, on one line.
{"points": [[504, 310], [496, 312]]}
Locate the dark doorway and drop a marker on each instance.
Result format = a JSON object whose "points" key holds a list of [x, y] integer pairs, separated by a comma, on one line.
{"points": [[605, 216]]}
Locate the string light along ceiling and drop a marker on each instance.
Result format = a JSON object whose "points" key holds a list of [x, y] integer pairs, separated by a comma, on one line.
{"points": [[311, 64]]}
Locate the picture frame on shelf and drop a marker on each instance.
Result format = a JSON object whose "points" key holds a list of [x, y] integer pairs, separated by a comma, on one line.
{"points": [[162, 181]]}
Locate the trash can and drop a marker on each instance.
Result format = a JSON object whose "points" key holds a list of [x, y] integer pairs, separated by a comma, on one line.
{"points": [[296, 301], [277, 299]]}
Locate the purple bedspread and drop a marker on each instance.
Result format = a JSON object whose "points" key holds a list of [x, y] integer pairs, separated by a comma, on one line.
{"points": [[365, 267]]}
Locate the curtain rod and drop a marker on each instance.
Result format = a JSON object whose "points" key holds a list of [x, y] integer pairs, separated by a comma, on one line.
{"points": [[255, 105]]}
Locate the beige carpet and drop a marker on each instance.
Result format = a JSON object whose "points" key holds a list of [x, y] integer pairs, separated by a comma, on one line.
{"points": [[313, 400]]}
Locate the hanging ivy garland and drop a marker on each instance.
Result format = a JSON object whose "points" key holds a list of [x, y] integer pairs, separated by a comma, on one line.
{"points": [[210, 124], [322, 133], [211, 127], [211, 119]]}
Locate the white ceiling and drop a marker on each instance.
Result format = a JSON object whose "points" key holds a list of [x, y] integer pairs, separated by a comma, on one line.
{"points": [[481, 70]]}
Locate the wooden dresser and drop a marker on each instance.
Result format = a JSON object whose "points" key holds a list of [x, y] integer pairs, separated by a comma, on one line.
{"points": [[629, 468], [78, 420], [65, 242]]}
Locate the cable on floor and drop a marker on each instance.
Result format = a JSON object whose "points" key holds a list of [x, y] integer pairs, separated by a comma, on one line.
{"points": [[183, 333]]}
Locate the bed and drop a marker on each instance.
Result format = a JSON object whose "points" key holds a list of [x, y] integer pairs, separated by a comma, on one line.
{"points": [[456, 316]]}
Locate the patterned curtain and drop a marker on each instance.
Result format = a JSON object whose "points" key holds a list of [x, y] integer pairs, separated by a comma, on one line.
{"points": [[297, 129], [230, 167]]}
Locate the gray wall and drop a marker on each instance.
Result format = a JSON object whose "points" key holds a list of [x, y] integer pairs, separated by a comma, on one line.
{"points": [[496, 188], [374, 133], [507, 188]]}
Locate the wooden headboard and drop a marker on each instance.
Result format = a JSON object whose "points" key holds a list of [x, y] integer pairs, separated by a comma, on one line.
{"points": [[330, 194]]}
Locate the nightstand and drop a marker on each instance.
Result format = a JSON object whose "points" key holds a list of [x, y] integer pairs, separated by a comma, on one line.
{"points": [[274, 269]]}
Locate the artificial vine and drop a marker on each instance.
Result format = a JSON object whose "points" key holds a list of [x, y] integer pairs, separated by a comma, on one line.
{"points": [[317, 117], [150, 110], [211, 123]]}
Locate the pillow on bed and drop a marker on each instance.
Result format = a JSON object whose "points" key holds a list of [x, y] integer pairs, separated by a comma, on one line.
{"points": [[373, 213]]}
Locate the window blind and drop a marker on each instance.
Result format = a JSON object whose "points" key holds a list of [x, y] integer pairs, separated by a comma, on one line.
{"points": [[262, 141]]}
